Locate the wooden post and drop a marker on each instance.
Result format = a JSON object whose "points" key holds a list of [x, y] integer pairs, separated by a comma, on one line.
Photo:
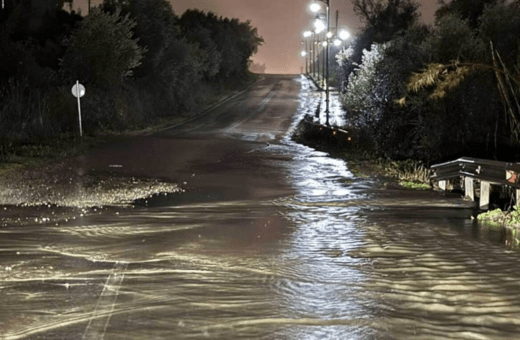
{"points": [[517, 191], [484, 195], [443, 185], [468, 188]]}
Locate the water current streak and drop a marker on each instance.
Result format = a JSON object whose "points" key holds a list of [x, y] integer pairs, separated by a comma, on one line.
{"points": [[341, 258]]}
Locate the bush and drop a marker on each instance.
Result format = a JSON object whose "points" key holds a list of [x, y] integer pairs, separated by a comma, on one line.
{"points": [[102, 51]]}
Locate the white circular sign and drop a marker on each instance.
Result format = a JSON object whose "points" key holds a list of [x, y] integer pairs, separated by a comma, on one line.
{"points": [[78, 90]]}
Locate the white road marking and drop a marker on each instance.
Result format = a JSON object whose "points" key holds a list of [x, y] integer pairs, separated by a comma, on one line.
{"points": [[97, 326]]}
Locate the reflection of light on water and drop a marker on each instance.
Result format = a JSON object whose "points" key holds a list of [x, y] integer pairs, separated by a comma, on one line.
{"points": [[309, 100], [328, 284]]}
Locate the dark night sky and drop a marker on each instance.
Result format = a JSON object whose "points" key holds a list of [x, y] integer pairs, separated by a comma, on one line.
{"points": [[279, 22]]}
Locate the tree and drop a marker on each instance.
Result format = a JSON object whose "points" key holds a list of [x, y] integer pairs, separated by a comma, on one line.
{"points": [[233, 40], [198, 28], [102, 50], [470, 10], [386, 17], [453, 39], [156, 30], [360, 88]]}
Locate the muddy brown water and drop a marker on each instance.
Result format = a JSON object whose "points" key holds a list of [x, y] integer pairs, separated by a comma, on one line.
{"points": [[268, 240]]}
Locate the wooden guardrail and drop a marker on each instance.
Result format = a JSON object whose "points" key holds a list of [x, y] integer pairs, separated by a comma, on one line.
{"points": [[483, 171]]}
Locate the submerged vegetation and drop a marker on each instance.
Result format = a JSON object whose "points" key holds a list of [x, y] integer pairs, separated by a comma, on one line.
{"points": [[498, 217], [141, 65]]}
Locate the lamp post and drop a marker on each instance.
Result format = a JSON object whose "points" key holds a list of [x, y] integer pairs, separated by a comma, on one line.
{"points": [[304, 54], [307, 35], [315, 7]]}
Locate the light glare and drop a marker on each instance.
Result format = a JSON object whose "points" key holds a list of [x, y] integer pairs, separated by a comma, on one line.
{"points": [[315, 7], [319, 26], [344, 35], [337, 42], [304, 53], [307, 34]]}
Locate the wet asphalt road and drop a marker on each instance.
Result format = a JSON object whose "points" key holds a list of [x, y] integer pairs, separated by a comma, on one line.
{"points": [[266, 239]]}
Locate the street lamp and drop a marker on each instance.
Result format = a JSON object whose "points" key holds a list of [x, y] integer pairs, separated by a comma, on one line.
{"points": [[344, 35], [319, 25], [315, 7], [307, 35]]}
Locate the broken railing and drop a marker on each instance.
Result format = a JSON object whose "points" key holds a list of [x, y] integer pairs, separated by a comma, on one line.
{"points": [[478, 171]]}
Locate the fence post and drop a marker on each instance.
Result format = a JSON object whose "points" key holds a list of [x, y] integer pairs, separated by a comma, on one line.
{"points": [[468, 188], [484, 195]]}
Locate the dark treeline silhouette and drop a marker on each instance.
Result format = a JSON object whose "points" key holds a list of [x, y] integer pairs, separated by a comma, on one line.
{"points": [[435, 92], [138, 60]]}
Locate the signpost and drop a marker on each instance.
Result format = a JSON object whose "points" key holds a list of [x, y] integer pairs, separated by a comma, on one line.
{"points": [[78, 91]]}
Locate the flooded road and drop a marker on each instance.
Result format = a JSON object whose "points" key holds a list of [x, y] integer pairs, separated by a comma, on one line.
{"points": [[267, 239]]}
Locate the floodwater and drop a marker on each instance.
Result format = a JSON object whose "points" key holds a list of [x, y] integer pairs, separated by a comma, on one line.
{"points": [[268, 240]]}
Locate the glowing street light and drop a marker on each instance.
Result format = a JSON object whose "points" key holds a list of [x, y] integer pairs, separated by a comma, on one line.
{"points": [[319, 26], [330, 35], [315, 7], [344, 35], [307, 34], [337, 42], [304, 53], [325, 44]]}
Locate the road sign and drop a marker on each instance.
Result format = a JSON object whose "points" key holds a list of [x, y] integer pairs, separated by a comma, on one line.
{"points": [[78, 90]]}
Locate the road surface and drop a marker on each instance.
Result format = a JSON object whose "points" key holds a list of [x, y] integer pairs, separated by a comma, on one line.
{"points": [[266, 239]]}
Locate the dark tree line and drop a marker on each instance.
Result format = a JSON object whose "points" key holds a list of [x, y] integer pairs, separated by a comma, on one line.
{"points": [[435, 92], [138, 60]]}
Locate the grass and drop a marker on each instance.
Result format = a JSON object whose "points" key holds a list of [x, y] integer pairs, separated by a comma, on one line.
{"points": [[498, 217], [409, 174], [16, 157], [414, 185]]}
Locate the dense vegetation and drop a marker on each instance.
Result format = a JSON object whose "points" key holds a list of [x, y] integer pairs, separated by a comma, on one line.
{"points": [[437, 92], [138, 60]]}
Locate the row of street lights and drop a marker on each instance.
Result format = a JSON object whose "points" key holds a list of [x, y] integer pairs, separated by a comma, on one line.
{"points": [[319, 27]]}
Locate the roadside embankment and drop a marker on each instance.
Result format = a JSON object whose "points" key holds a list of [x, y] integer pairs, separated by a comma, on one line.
{"points": [[361, 160]]}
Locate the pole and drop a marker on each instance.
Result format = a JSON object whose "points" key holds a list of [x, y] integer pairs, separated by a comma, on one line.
{"points": [[89, 7], [337, 19], [307, 56], [79, 108], [327, 58], [323, 62], [319, 60], [314, 56]]}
